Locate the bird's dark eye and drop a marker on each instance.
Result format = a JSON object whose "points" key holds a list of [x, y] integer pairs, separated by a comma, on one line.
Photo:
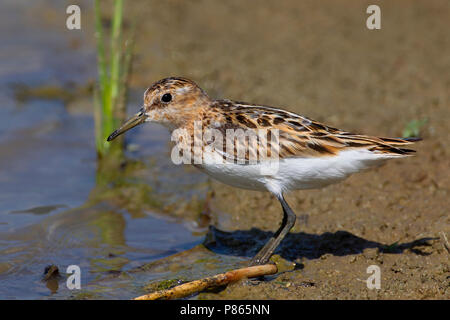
{"points": [[167, 97]]}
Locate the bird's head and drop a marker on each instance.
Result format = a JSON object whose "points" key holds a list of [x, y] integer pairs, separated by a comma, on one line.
{"points": [[171, 102]]}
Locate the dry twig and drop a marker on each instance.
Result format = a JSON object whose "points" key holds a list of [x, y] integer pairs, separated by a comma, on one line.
{"points": [[221, 279]]}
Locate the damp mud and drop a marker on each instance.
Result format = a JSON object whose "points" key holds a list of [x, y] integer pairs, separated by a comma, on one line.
{"points": [[153, 224]]}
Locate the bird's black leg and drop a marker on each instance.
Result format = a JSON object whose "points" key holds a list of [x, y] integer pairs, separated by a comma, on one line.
{"points": [[263, 256]]}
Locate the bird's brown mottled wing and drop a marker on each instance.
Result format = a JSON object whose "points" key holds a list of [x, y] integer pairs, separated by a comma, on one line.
{"points": [[298, 136]]}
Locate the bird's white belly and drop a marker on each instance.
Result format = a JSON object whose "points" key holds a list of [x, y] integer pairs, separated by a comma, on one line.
{"points": [[292, 173]]}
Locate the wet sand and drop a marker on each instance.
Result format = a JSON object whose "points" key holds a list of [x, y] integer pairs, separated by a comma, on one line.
{"points": [[319, 60]]}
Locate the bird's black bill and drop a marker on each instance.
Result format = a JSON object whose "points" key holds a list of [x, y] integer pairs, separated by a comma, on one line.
{"points": [[137, 119]]}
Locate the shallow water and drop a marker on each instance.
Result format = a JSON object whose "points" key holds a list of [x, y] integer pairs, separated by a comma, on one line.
{"points": [[48, 214]]}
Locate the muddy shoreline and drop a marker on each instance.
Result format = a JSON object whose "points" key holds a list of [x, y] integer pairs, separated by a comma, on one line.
{"points": [[159, 224], [326, 65]]}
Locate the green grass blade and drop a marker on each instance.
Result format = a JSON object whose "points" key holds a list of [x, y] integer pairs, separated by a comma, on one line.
{"points": [[109, 108], [116, 51]]}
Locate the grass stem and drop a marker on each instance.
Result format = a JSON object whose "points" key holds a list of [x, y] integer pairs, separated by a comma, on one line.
{"points": [[113, 69]]}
